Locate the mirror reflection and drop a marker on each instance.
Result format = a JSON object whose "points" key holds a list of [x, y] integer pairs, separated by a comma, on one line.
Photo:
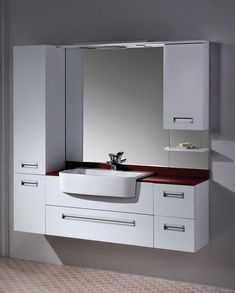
{"points": [[123, 105], [114, 103]]}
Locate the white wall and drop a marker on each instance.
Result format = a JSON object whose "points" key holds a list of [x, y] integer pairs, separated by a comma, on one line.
{"points": [[67, 21]]}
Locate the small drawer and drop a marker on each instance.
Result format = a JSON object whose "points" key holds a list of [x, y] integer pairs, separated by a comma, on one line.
{"points": [[174, 200], [87, 224], [174, 233], [29, 203]]}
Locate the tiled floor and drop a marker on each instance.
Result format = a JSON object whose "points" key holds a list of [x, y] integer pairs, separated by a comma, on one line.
{"points": [[27, 276]]}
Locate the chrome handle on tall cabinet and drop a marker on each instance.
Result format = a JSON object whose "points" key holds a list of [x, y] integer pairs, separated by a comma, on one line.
{"points": [[176, 228], [179, 195], [99, 220], [29, 183], [183, 120], [29, 165]]}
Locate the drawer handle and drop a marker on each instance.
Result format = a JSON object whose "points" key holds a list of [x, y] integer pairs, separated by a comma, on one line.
{"points": [[98, 220], [179, 195], [29, 165], [29, 183], [180, 228], [183, 120]]}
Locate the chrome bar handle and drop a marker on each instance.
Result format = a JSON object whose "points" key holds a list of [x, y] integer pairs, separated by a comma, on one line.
{"points": [[29, 165], [179, 195], [98, 220], [29, 183], [176, 228], [183, 120]]}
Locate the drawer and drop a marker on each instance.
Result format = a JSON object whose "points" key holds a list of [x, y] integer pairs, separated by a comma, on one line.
{"points": [[141, 204], [113, 227], [29, 203], [174, 200], [174, 233]]}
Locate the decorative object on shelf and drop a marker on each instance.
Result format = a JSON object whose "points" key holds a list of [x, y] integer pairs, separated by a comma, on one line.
{"points": [[187, 145]]}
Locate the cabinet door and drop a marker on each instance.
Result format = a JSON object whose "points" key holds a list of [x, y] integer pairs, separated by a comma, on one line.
{"points": [[29, 109], [39, 103], [186, 86], [29, 203]]}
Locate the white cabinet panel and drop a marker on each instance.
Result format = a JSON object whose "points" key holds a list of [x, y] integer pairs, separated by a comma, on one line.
{"points": [[186, 86], [174, 200], [113, 227], [39, 109], [142, 203], [29, 203], [174, 233]]}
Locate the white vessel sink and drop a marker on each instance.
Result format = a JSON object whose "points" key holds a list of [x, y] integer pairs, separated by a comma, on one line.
{"points": [[100, 182]]}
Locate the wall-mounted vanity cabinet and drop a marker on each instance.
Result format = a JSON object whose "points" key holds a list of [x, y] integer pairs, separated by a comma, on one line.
{"points": [[186, 86], [113, 86], [39, 109], [163, 216]]}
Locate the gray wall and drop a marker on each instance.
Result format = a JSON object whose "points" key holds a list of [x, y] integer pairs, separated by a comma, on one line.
{"points": [[4, 177], [67, 21]]}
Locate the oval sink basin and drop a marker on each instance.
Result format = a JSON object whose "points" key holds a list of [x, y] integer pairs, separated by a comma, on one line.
{"points": [[100, 182]]}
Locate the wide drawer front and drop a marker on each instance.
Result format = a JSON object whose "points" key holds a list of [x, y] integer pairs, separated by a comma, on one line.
{"points": [[174, 200], [142, 203], [174, 233], [114, 227]]}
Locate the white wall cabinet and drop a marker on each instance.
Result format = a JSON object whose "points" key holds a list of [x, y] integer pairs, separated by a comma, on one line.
{"points": [[29, 203], [186, 86], [39, 109]]}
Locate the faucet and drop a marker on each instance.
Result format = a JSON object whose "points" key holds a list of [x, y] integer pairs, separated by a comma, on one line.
{"points": [[115, 159]]}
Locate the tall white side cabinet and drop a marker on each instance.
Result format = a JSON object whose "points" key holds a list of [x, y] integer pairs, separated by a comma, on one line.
{"points": [[39, 129], [186, 86]]}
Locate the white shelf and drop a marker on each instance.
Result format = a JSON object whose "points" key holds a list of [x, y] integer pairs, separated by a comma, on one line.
{"points": [[180, 149]]}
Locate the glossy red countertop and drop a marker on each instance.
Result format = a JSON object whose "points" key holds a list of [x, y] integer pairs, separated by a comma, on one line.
{"points": [[178, 180], [165, 175]]}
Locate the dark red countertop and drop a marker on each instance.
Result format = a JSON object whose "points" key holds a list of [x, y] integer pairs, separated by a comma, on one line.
{"points": [[178, 180], [165, 175]]}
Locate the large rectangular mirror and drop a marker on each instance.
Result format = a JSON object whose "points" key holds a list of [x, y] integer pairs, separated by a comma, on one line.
{"points": [[123, 105], [115, 103]]}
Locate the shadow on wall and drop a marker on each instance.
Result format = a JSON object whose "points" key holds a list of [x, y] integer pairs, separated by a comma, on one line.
{"points": [[223, 163], [222, 188], [218, 254], [222, 191]]}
